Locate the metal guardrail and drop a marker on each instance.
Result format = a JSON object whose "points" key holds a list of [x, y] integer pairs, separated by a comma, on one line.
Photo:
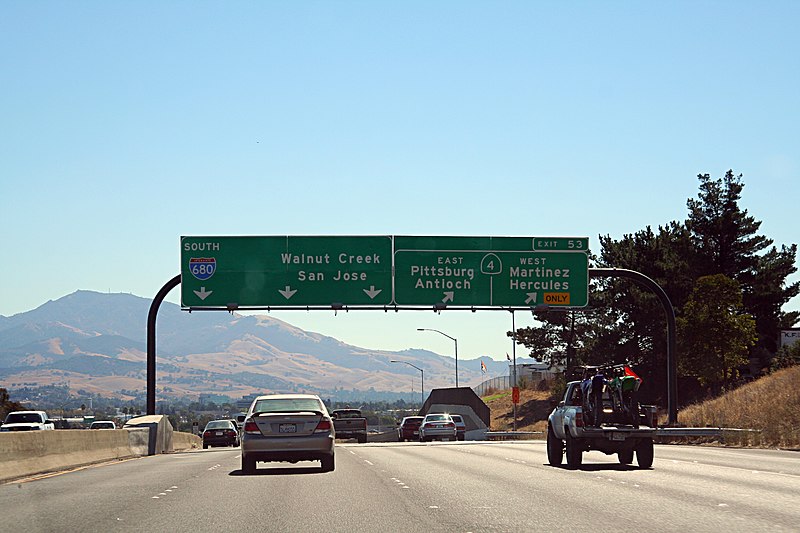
{"points": [[511, 435], [701, 432], [660, 432]]}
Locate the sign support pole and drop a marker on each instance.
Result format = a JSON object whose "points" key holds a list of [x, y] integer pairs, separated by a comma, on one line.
{"points": [[151, 342], [514, 355]]}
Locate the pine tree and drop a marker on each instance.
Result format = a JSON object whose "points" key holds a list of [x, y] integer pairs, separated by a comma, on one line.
{"points": [[726, 241]]}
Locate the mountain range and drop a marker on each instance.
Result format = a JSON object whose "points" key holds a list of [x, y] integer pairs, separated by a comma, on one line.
{"points": [[96, 342]]}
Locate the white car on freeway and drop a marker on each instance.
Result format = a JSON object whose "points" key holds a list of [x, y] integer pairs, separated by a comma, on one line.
{"points": [[27, 421]]}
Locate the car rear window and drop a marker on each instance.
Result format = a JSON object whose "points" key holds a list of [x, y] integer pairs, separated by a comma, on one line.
{"points": [[456, 418], [219, 424], [19, 418], [348, 414], [286, 405], [436, 417]]}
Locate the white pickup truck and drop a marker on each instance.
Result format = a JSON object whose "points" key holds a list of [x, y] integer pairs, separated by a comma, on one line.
{"points": [[27, 421], [567, 430]]}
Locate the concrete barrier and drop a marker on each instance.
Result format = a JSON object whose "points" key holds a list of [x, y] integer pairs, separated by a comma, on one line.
{"points": [[160, 432], [185, 441], [26, 453]]}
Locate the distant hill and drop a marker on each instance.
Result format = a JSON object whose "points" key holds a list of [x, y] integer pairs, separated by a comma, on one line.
{"points": [[97, 342]]}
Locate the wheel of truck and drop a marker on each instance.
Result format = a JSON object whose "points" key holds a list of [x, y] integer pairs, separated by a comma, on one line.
{"points": [[362, 439], [625, 457], [555, 448], [248, 465], [644, 453], [205, 446], [574, 452], [328, 463]]}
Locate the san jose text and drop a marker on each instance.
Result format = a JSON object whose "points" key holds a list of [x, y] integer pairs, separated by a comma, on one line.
{"points": [[348, 263]]}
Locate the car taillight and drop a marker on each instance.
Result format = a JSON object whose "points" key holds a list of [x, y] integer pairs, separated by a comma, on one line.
{"points": [[450, 425], [251, 427], [230, 433], [579, 419], [426, 425], [323, 426]]}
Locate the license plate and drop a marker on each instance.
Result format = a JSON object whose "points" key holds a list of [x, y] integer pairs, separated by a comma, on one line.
{"points": [[618, 436], [287, 428], [416, 433], [218, 433]]}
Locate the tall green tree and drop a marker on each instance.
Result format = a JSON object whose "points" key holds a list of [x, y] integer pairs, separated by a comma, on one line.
{"points": [[558, 340], [627, 322], [715, 335], [6, 405], [726, 241]]}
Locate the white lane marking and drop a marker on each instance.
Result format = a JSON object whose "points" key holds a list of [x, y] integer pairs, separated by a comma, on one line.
{"points": [[433, 507], [722, 505], [369, 463], [779, 473], [155, 497]]}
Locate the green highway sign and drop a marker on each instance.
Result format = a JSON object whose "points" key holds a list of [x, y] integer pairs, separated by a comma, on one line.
{"points": [[285, 271], [491, 271], [304, 271]]}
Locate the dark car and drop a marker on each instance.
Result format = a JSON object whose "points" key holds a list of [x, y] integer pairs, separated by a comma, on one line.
{"points": [[220, 433], [409, 428]]}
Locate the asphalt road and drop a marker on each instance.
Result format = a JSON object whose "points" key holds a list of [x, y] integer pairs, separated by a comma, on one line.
{"points": [[459, 486]]}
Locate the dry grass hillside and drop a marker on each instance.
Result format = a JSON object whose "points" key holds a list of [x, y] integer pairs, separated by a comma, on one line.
{"points": [[770, 405], [532, 410]]}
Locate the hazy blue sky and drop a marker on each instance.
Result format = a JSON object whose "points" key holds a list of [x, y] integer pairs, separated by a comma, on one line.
{"points": [[128, 124]]}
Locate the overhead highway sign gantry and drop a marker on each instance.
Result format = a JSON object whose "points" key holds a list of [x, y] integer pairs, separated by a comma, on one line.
{"points": [[374, 271]]}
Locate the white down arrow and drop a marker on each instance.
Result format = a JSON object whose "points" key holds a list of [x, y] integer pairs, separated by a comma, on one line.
{"points": [[202, 293], [288, 292], [372, 292]]}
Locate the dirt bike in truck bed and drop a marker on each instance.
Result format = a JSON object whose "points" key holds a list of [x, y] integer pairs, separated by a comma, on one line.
{"points": [[603, 424]]}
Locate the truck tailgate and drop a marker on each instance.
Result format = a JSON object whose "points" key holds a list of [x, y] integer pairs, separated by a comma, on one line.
{"points": [[618, 433]]}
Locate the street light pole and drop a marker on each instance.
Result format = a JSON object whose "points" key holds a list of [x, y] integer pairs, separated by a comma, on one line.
{"points": [[452, 339], [421, 380]]}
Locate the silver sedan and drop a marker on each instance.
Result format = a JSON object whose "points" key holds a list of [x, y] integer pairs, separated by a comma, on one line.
{"points": [[437, 426], [287, 427]]}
